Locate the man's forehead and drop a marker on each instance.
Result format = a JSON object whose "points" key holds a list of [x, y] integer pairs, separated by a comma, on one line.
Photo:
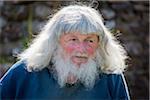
{"points": [[79, 34]]}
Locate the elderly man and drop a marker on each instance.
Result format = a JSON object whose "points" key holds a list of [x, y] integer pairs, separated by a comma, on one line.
{"points": [[74, 57]]}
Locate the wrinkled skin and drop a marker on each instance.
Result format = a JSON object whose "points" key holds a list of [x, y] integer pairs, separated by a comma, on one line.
{"points": [[79, 47]]}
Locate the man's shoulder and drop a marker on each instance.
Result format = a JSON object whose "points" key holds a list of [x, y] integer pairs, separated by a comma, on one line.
{"points": [[117, 85], [112, 75], [113, 78], [16, 69], [18, 66]]}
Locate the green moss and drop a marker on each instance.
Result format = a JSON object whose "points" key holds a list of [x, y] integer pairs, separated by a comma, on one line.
{"points": [[6, 59], [25, 42]]}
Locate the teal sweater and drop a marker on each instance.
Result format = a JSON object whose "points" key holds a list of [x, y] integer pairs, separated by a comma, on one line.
{"points": [[18, 83]]}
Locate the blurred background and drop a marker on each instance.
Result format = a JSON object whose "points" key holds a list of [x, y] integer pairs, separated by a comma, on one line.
{"points": [[21, 20]]}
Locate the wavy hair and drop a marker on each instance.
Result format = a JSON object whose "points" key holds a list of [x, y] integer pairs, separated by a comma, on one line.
{"points": [[75, 18]]}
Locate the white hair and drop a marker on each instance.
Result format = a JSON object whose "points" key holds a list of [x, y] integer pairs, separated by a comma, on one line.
{"points": [[84, 20]]}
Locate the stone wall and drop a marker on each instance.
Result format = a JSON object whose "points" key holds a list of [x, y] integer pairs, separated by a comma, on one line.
{"points": [[20, 20]]}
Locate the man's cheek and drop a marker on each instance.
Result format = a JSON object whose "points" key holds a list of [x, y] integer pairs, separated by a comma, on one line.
{"points": [[90, 51], [69, 49]]}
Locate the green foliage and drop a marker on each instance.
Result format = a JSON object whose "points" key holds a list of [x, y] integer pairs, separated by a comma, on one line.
{"points": [[115, 31], [5, 59], [25, 42]]}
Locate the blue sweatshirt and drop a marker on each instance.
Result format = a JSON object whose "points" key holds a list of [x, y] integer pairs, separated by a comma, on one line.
{"points": [[18, 83]]}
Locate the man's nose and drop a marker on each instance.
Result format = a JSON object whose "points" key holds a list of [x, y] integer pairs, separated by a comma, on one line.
{"points": [[81, 47]]}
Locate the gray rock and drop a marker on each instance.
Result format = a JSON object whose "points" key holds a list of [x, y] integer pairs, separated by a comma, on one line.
{"points": [[7, 49], [24, 28], [2, 23], [42, 11], [110, 24], [13, 12], [37, 26], [140, 7], [108, 13], [128, 16], [120, 6], [134, 48], [11, 32], [1, 3], [134, 24]]}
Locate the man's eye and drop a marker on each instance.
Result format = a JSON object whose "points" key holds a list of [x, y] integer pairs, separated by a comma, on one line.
{"points": [[73, 39], [91, 41]]}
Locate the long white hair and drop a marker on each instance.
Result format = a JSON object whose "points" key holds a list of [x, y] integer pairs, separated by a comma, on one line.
{"points": [[74, 18]]}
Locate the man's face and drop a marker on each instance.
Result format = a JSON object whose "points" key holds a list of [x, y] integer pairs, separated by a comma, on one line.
{"points": [[79, 47]]}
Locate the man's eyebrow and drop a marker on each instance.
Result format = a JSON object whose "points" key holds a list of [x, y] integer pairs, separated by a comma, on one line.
{"points": [[72, 36], [91, 37]]}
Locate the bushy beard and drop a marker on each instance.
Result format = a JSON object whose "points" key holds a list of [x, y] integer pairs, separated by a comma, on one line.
{"points": [[87, 73]]}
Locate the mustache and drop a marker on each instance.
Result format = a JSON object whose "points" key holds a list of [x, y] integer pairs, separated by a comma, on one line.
{"points": [[78, 54]]}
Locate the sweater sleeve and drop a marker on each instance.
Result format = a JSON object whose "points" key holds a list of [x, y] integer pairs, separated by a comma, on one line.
{"points": [[118, 87]]}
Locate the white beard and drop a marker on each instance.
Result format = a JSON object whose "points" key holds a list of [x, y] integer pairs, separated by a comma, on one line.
{"points": [[86, 74]]}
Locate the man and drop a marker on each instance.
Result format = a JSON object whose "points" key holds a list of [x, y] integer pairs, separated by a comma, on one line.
{"points": [[74, 57]]}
